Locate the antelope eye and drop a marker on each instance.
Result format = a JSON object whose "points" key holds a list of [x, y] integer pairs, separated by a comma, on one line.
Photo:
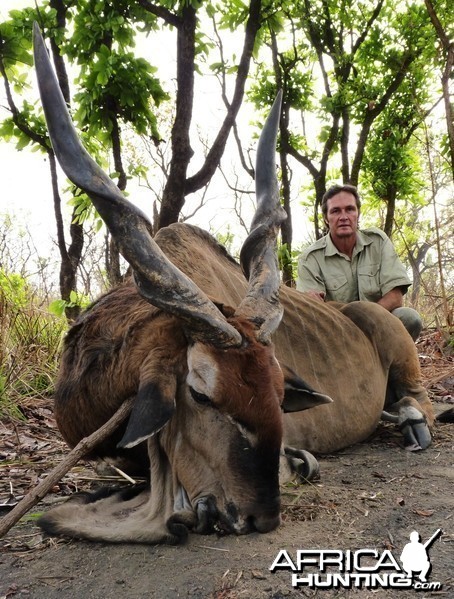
{"points": [[200, 398]]}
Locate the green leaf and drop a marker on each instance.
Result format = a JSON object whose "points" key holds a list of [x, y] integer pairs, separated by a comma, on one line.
{"points": [[57, 307], [73, 297]]}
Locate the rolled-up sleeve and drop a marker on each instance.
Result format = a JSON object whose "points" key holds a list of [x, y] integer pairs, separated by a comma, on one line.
{"points": [[392, 271]]}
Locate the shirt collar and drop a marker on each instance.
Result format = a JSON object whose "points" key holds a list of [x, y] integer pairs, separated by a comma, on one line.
{"points": [[362, 239]]}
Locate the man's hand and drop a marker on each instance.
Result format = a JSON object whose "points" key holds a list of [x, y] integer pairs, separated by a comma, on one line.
{"points": [[318, 295]]}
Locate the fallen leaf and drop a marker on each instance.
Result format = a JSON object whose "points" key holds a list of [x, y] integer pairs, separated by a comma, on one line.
{"points": [[425, 513]]}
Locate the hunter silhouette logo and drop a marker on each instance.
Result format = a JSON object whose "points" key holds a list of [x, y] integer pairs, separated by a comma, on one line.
{"points": [[363, 568], [415, 558]]}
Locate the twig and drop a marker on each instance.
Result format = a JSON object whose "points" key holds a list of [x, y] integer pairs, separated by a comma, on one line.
{"points": [[444, 375], [214, 549], [122, 474], [82, 448]]}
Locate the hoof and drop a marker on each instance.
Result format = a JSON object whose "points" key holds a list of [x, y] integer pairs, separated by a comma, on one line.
{"points": [[303, 464]]}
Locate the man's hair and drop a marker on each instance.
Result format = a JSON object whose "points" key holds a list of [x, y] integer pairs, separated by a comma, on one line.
{"points": [[334, 190]]}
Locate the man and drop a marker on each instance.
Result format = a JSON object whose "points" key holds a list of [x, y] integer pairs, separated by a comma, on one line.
{"points": [[348, 264]]}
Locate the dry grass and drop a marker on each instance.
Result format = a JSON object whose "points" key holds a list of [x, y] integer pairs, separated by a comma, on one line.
{"points": [[30, 340]]}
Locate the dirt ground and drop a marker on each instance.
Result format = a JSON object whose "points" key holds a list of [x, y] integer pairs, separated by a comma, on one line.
{"points": [[370, 496]]}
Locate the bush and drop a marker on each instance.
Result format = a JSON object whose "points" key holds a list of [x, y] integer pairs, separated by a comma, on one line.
{"points": [[30, 339]]}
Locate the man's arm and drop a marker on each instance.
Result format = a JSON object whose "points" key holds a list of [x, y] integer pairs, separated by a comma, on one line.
{"points": [[392, 300], [394, 280], [309, 277]]}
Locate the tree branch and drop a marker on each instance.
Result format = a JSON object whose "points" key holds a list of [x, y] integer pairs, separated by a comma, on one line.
{"points": [[373, 113], [82, 448], [441, 33], [159, 11], [214, 155]]}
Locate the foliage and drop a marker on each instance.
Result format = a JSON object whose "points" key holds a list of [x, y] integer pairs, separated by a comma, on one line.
{"points": [[225, 239], [360, 80], [14, 289], [120, 86], [288, 259], [59, 306], [26, 124], [357, 78], [29, 344], [391, 162]]}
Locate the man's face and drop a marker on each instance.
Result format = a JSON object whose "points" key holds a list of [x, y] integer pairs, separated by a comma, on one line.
{"points": [[342, 216]]}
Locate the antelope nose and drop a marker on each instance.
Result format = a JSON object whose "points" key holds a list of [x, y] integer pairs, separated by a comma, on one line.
{"points": [[266, 523]]}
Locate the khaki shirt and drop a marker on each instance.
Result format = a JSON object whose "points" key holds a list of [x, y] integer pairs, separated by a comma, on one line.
{"points": [[373, 270]]}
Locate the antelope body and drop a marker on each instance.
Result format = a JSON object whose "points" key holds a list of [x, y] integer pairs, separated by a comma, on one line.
{"points": [[220, 379]]}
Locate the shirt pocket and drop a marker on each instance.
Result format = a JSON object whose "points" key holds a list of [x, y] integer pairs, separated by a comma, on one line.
{"points": [[337, 288], [369, 282]]}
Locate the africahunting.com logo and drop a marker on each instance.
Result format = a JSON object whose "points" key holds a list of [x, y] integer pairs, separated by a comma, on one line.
{"points": [[363, 568]]}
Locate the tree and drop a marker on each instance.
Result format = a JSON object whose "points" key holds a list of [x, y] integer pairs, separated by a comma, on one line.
{"points": [[116, 90], [447, 53], [178, 184], [28, 128], [345, 68], [358, 81]]}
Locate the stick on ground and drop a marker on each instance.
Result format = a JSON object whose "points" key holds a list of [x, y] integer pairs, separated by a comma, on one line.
{"points": [[80, 450]]}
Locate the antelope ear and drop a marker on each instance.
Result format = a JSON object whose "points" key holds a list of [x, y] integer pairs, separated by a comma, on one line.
{"points": [[153, 408], [298, 395]]}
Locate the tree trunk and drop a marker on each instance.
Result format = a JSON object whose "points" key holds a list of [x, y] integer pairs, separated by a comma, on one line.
{"points": [[446, 79], [390, 209], [70, 257], [448, 47], [59, 64], [178, 186], [281, 70], [113, 269], [174, 190], [345, 138], [286, 226], [416, 263]]}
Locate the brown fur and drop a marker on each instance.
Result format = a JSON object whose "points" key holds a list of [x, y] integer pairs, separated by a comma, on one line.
{"points": [[222, 451], [358, 354]]}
